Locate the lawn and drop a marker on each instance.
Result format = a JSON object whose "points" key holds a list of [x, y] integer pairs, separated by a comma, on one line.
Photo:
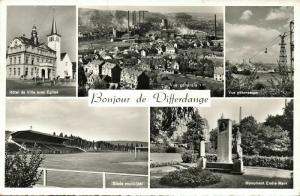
{"points": [[117, 162], [16, 87]]}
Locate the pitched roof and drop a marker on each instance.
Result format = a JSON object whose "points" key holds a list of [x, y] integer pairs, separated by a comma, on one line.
{"points": [[28, 41], [62, 55]]}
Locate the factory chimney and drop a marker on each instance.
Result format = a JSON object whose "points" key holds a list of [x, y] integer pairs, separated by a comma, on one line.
{"points": [[128, 19], [215, 26], [132, 13]]}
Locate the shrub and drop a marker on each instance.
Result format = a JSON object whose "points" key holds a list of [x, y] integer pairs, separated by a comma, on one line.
{"points": [[171, 149], [260, 161], [189, 156], [191, 177], [211, 157], [21, 169], [274, 162], [161, 164]]}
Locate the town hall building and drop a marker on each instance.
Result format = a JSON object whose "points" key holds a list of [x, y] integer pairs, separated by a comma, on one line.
{"points": [[27, 58]]}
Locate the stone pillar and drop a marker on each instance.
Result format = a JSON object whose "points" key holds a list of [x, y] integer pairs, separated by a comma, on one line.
{"points": [[202, 159], [46, 73], [224, 141]]}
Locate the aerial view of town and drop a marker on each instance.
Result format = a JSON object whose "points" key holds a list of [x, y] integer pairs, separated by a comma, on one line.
{"points": [[150, 48]]}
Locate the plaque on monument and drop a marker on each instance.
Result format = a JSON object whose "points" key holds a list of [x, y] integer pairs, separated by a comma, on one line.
{"points": [[225, 141]]}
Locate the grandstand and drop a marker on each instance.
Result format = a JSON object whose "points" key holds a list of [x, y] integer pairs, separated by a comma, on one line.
{"points": [[33, 140]]}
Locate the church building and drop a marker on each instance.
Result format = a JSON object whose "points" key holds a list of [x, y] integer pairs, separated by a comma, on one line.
{"points": [[27, 58]]}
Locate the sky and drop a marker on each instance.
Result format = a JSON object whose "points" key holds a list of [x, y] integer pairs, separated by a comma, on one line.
{"points": [[73, 116], [20, 20], [163, 9], [258, 108], [249, 30]]}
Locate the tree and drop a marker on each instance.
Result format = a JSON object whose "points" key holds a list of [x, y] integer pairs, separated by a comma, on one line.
{"points": [[272, 140], [285, 121], [214, 138], [81, 76], [248, 128], [165, 119], [182, 18], [21, 169], [195, 132]]}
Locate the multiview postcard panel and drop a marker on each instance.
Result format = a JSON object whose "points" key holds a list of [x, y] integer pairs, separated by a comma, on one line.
{"points": [[259, 51], [66, 143], [144, 47], [40, 58]]}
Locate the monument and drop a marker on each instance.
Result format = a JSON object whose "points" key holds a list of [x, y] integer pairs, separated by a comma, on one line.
{"points": [[224, 141], [224, 161]]}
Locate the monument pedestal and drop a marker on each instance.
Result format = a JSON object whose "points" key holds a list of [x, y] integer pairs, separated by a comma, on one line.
{"points": [[202, 163], [238, 167], [224, 154]]}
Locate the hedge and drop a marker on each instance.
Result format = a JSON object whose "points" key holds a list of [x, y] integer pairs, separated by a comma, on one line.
{"points": [[260, 161], [275, 162], [161, 164], [189, 156]]}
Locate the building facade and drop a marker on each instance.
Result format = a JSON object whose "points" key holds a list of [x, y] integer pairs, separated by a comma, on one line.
{"points": [[27, 58]]}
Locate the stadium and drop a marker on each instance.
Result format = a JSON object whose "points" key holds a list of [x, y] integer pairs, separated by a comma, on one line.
{"points": [[32, 140], [68, 165]]}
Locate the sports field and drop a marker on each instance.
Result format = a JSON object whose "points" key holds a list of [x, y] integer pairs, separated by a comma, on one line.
{"points": [[116, 162]]}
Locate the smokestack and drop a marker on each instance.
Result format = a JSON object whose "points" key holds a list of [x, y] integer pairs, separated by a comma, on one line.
{"points": [[128, 19], [215, 26], [132, 18], [143, 16], [139, 17], [240, 115]]}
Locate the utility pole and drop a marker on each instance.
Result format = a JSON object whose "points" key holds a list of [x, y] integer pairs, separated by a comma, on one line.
{"points": [[282, 63], [292, 50]]}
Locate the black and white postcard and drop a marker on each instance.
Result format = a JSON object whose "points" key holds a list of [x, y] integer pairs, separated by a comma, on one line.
{"points": [[130, 47], [69, 144], [260, 51], [235, 143], [40, 55]]}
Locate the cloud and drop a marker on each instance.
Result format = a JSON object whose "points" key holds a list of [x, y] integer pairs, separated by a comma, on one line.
{"points": [[243, 41], [280, 13], [246, 15]]}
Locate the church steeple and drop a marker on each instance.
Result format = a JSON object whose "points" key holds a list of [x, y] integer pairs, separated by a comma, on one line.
{"points": [[53, 29]]}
